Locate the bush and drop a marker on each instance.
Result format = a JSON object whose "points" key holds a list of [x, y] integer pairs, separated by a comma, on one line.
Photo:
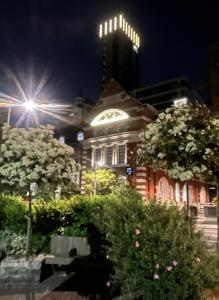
{"points": [[12, 243], [12, 213], [153, 256], [40, 243], [71, 216]]}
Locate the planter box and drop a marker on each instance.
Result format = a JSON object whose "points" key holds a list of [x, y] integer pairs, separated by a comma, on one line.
{"points": [[20, 270]]}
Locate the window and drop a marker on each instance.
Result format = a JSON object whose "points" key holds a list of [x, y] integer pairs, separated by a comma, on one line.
{"points": [[177, 191], [111, 130], [109, 116], [109, 155], [98, 157], [100, 132], [203, 195], [121, 154], [123, 128], [185, 193], [62, 139]]}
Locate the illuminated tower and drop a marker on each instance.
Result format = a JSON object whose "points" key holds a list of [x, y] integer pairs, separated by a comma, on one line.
{"points": [[120, 59]]}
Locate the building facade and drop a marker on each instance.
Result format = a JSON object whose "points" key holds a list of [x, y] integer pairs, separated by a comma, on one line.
{"points": [[111, 138]]}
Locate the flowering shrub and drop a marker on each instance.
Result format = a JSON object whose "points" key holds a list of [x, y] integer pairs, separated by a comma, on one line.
{"points": [[152, 255], [182, 140]]}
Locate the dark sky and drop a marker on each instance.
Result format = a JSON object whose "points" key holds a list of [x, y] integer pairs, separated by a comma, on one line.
{"points": [[57, 40]]}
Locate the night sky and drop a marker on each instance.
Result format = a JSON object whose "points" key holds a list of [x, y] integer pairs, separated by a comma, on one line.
{"points": [[57, 40]]}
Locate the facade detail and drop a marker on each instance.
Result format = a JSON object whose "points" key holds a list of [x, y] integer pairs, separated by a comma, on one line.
{"points": [[111, 138], [120, 52]]}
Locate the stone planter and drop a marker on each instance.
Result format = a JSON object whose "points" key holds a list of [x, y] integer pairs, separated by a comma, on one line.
{"points": [[20, 270]]}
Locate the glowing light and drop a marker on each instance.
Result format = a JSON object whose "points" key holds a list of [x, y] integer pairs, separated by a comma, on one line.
{"points": [[105, 28], [129, 31], [109, 116], [123, 24], [101, 31], [115, 23], [25, 101], [120, 21], [110, 25], [126, 27], [180, 101], [29, 105]]}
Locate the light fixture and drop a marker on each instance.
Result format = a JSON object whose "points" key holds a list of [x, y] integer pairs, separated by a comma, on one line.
{"points": [[29, 105]]}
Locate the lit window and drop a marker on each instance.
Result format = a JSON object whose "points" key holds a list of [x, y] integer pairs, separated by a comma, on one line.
{"points": [[109, 116], [110, 25], [185, 193], [62, 139], [120, 21], [163, 191], [101, 31], [115, 23], [109, 155], [105, 28], [121, 154], [177, 191]]}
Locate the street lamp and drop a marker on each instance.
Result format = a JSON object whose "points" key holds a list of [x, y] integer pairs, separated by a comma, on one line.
{"points": [[29, 106]]}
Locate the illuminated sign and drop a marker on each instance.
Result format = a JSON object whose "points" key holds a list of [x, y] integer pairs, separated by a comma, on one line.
{"points": [[119, 23], [80, 136], [129, 171]]}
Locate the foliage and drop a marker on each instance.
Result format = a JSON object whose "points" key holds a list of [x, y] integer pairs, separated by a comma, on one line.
{"points": [[65, 216], [152, 255], [40, 243], [99, 181], [33, 156], [12, 243], [184, 140], [12, 213]]}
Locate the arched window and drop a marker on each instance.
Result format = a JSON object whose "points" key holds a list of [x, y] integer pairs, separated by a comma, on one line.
{"points": [[109, 116], [185, 193], [177, 192], [203, 195], [164, 191]]}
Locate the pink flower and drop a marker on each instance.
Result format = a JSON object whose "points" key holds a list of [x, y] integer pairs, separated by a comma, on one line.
{"points": [[108, 283], [174, 263], [198, 260], [169, 268], [157, 266], [137, 245], [137, 231], [156, 276]]}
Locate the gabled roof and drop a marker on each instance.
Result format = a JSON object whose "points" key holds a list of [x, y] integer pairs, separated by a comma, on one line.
{"points": [[112, 87]]}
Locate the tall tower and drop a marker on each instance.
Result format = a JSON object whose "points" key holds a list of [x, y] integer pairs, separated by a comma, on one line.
{"points": [[120, 57]]}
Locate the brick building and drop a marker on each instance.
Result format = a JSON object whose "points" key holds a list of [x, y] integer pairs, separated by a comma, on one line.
{"points": [[111, 137]]}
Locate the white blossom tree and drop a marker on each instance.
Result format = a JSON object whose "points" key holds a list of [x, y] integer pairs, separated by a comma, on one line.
{"points": [[184, 141], [33, 156]]}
